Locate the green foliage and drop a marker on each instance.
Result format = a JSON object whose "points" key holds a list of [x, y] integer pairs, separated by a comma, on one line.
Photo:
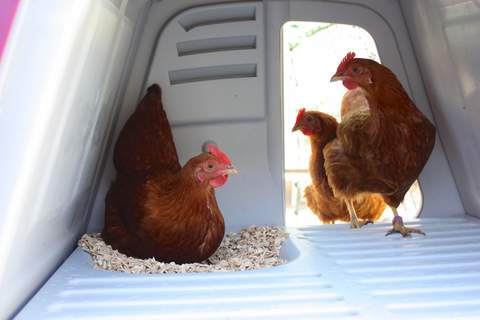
{"points": [[292, 46], [314, 31], [307, 34]]}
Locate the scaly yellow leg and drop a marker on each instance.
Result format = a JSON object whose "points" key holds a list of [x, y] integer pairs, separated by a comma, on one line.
{"points": [[354, 222]]}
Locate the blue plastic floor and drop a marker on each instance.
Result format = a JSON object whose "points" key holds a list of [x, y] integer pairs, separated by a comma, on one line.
{"points": [[337, 273]]}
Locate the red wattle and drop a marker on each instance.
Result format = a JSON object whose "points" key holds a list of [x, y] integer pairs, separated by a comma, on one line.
{"points": [[350, 85], [307, 132], [218, 182]]}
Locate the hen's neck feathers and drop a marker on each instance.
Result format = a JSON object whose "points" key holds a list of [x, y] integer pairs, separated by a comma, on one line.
{"points": [[317, 171], [389, 104], [183, 188], [318, 141], [387, 95], [188, 182]]}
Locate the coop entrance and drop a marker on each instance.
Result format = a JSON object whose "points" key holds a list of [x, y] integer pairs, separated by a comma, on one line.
{"points": [[311, 53]]}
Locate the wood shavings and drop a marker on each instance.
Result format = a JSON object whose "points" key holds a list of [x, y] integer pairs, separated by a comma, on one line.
{"points": [[251, 248]]}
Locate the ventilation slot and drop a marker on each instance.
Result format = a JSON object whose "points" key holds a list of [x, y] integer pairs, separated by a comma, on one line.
{"points": [[213, 73], [216, 44], [217, 15]]}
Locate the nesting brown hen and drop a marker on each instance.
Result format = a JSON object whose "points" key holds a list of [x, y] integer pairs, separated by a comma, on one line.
{"points": [[155, 207]]}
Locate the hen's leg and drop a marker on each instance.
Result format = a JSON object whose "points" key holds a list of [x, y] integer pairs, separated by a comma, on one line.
{"points": [[399, 227], [354, 222]]}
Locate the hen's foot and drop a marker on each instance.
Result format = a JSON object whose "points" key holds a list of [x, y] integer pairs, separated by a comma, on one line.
{"points": [[356, 224], [399, 227]]}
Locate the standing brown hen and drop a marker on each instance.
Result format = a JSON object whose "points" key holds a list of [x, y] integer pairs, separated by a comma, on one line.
{"points": [[156, 208], [321, 129], [381, 149]]}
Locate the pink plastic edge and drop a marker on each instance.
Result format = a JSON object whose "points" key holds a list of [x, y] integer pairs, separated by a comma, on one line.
{"points": [[8, 8]]}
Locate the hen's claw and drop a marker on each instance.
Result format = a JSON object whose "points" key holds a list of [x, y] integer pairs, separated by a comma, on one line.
{"points": [[365, 222], [399, 227], [356, 224]]}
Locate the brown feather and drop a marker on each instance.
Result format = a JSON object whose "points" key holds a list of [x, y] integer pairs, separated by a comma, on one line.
{"points": [[146, 140]]}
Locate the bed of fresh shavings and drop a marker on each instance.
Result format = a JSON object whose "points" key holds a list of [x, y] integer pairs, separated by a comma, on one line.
{"points": [[251, 248]]}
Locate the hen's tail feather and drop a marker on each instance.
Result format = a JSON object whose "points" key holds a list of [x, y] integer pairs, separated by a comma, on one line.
{"points": [[369, 206], [154, 88], [313, 204], [146, 141]]}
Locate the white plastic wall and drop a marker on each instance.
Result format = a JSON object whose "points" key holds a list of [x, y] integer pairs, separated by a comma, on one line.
{"points": [[59, 81], [65, 95], [446, 37]]}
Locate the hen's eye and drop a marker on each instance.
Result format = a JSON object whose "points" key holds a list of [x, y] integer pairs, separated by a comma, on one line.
{"points": [[309, 119], [210, 166], [355, 70]]}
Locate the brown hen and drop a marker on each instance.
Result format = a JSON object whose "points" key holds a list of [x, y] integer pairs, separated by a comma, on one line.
{"points": [[321, 129], [155, 208], [383, 148]]}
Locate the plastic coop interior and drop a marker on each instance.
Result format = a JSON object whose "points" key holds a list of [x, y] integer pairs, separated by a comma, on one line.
{"points": [[73, 71]]}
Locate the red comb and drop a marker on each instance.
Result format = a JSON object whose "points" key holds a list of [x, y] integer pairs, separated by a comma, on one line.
{"points": [[213, 149], [346, 60], [299, 115]]}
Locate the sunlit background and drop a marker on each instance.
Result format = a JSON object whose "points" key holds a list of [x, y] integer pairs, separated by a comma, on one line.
{"points": [[311, 54]]}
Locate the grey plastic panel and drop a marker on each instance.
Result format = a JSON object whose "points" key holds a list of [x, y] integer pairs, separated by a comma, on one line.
{"points": [[446, 35], [229, 71], [212, 85], [216, 44], [217, 15]]}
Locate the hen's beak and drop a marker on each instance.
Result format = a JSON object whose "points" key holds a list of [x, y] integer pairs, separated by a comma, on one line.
{"points": [[296, 127], [336, 77], [230, 170]]}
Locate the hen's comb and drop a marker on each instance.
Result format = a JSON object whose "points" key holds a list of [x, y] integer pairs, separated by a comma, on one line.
{"points": [[346, 60], [299, 115], [213, 149]]}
